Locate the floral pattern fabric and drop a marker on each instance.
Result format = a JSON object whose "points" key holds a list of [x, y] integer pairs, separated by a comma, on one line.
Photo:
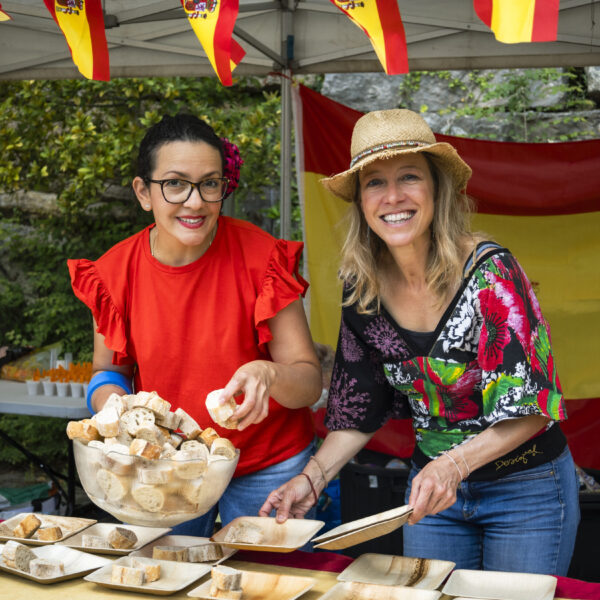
{"points": [[490, 360]]}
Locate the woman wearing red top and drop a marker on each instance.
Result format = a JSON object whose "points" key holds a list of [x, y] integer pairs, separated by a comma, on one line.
{"points": [[198, 301]]}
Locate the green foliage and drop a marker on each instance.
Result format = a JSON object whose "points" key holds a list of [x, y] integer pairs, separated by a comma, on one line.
{"points": [[513, 95], [43, 436]]}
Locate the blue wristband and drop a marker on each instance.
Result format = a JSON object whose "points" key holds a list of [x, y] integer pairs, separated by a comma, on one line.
{"points": [[106, 378]]}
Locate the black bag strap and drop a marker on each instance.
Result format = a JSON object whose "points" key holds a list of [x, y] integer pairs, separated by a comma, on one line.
{"points": [[481, 247]]}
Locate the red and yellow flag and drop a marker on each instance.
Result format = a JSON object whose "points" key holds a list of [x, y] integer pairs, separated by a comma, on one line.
{"points": [[514, 21], [82, 24], [213, 22], [380, 20], [541, 201], [4, 16]]}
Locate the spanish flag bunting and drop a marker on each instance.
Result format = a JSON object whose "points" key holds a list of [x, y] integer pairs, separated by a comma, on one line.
{"points": [[514, 21], [4, 16], [380, 20], [82, 24], [540, 201], [213, 22]]}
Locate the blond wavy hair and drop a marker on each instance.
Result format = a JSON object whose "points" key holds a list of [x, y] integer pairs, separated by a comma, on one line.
{"points": [[450, 234]]}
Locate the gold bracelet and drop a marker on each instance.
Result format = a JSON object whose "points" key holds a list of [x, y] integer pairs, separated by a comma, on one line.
{"points": [[321, 469]]}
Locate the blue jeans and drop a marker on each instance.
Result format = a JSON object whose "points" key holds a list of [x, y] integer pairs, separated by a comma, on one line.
{"points": [[245, 495], [525, 522]]}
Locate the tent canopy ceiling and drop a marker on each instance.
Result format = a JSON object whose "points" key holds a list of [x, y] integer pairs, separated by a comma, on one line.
{"points": [[153, 37]]}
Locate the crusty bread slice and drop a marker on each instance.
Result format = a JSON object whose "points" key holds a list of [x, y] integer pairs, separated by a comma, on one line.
{"points": [[226, 578], [205, 553], [223, 447], [45, 568], [94, 541], [208, 436], [49, 534], [27, 526], [221, 413], [23, 556], [106, 422], [112, 485], [244, 532], [215, 592], [175, 553], [127, 575], [149, 497], [187, 425], [151, 567], [122, 538]]}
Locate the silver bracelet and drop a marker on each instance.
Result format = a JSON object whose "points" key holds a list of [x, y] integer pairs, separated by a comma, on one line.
{"points": [[445, 453], [463, 459]]}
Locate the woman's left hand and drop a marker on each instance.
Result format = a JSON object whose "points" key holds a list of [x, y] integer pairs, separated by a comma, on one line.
{"points": [[433, 488], [254, 380]]}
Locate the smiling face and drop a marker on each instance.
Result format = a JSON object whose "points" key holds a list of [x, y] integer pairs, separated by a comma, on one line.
{"points": [[397, 200], [183, 231]]}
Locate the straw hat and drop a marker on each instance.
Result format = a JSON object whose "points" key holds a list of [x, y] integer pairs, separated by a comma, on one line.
{"points": [[388, 133]]}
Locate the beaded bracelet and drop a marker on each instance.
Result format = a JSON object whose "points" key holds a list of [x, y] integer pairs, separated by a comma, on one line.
{"points": [[312, 487], [445, 453], [318, 463]]}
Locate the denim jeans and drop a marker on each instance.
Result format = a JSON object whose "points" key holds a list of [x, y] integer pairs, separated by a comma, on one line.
{"points": [[525, 522], [246, 494]]}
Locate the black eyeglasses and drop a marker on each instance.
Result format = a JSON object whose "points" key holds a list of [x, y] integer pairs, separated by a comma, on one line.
{"points": [[178, 191]]}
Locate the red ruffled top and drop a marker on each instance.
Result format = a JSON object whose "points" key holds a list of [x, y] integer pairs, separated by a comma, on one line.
{"points": [[187, 329]]}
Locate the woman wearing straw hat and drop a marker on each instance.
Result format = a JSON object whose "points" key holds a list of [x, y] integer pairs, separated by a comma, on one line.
{"points": [[443, 326]]}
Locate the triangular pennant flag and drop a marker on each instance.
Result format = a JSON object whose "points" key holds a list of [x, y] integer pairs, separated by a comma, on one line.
{"points": [[213, 22], [4, 16], [380, 20], [82, 24], [515, 21]]}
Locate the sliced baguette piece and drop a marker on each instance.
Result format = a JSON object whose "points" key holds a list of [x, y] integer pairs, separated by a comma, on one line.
{"points": [[205, 553], [194, 449], [226, 578], [144, 448], [187, 425], [171, 420], [151, 401], [112, 485], [23, 556], [175, 553], [221, 413], [244, 532], [83, 430], [149, 497], [27, 526], [49, 534], [208, 436], [45, 568], [215, 592], [151, 567], [9, 550], [106, 422], [188, 467], [122, 538], [137, 418], [127, 575], [117, 402], [223, 447]]}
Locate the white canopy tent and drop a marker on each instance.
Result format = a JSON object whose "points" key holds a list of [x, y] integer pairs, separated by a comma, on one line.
{"points": [[153, 38]]}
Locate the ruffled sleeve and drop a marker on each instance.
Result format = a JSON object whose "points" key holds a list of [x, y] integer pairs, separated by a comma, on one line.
{"points": [[282, 284], [519, 376], [91, 290]]}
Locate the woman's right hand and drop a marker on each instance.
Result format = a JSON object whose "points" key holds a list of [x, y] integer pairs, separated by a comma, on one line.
{"points": [[293, 499]]}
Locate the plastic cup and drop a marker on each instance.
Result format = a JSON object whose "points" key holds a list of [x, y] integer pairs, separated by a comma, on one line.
{"points": [[76, 389], [33, 387], [49, 388], [62, 388]]}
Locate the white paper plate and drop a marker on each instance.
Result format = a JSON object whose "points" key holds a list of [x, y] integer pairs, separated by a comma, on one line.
{"points": [[500, 585], [386, 569], [76, 563], [145, 535], [351, 590], [263, 586], [68, 525], [174, 576]]}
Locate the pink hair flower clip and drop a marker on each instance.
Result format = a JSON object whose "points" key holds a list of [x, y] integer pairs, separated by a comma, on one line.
{"points": [[233, 163]]}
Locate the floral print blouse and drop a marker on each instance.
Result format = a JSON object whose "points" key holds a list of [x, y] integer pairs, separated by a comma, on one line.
{"points": [[490, 360]]}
